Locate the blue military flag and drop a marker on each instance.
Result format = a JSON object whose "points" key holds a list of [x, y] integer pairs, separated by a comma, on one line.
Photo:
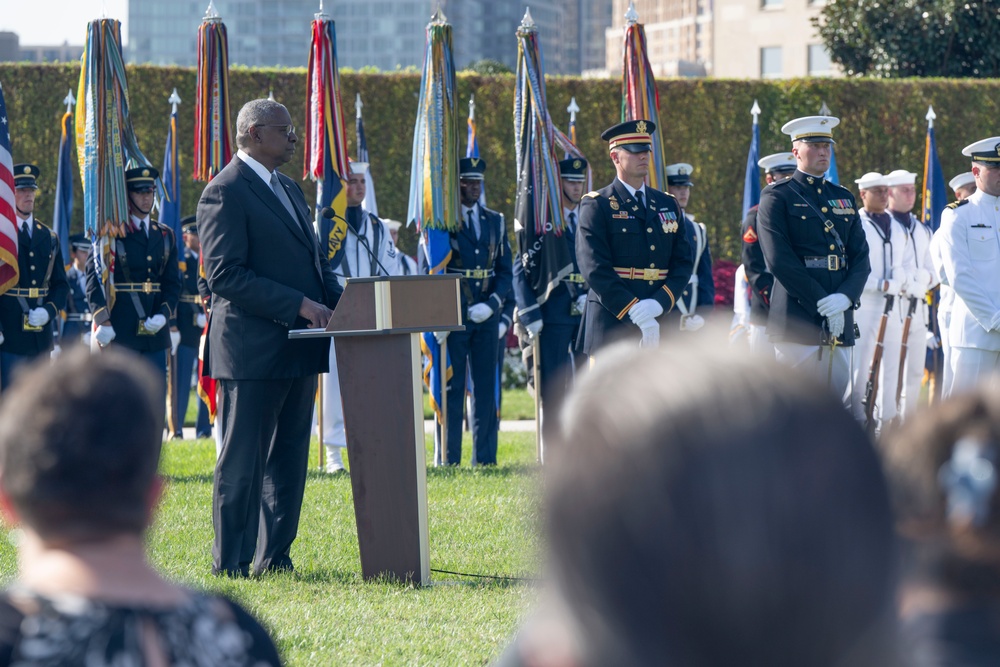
{"points": [[64, 180], [751, 181], [170, 195], [935, 194], [369, 203]]}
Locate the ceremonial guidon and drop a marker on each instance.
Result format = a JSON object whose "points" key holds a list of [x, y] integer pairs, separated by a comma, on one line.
{"points": [[700, 290], [77, 319], [970, 259], [29, 309], [631, 248], [811, 237], [147, 281], [481, 258], [777, 167]]}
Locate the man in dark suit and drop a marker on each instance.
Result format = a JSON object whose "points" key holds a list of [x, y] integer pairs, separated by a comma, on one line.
{"points": [[29, 309], [631, 247], [481, 257], [147, 283], [263, 267]]}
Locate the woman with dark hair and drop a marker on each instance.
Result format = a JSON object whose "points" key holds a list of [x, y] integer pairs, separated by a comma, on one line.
{"points": [[79, 449], [709, 509], [942, 465]]}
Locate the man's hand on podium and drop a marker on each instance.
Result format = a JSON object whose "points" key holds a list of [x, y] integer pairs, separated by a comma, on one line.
{"points": [[317, 314]]}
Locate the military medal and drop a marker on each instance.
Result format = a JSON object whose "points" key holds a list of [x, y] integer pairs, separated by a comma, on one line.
{"points": [[614, 204]]}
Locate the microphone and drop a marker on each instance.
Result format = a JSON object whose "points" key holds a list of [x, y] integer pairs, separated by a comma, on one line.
{"points": [[330, 214]]}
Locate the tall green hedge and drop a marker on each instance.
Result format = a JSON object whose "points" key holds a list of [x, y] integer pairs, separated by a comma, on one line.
{"points": [[704, 121]]}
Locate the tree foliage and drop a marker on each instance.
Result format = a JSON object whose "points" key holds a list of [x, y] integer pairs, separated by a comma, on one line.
{"points": [[907, 38], [488, 67]]}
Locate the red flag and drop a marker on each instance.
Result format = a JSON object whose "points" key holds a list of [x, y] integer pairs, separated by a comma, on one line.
{"points": [[9, 273]]}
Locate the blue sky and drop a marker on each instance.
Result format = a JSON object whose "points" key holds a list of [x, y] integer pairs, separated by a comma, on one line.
{"points": [[43, 22]]}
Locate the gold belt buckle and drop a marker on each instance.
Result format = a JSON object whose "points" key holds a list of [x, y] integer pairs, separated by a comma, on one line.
{"points": [[650, 274], [147, 287], [833, 262], [479, 274], [34, 292]]}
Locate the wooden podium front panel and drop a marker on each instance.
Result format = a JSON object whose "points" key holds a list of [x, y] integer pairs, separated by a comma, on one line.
{"points": [[417, 301], [355, 310], [385, 443]]}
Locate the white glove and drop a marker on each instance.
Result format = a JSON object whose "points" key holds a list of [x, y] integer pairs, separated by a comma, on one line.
{"points": [[534, 328], [503, 330], [155, 323], [201, 320], [650, 334], [1, 338], [105, 334], [692, 322], [480, 312], [175, 340], [918, 283], [86, 338], [56, 351], [644, 311], [835, 303], [835, 324], [892, 286], [581, 303], [441, 337], [932, 341], [38, 317]]}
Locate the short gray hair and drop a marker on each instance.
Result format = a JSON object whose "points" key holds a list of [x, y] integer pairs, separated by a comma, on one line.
{"points": [[254, 112]]}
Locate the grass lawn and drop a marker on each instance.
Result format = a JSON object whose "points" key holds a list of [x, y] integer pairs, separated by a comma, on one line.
{"points": [[482, 521]]}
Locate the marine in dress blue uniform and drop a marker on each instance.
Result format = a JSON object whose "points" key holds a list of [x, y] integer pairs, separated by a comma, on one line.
{"points": [[76, 323], [481, 257], [147, 280], [630, 247], [190, 323], [556, 320], [698, 297], [812, 240], [28, 311]]}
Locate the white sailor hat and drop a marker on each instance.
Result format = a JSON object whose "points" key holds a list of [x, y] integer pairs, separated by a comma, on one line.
{"points": [[870, 180], [963, 179], [812, 129], [777, 162], [987, 150], [392, 225], [900, 177], [679, 174], [358, 167]]}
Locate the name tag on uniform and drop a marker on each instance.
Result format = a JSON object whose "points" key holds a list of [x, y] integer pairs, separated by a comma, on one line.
{"points": [[982, 226], [621, 216]]}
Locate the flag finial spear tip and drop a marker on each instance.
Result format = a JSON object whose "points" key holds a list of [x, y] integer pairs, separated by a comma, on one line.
{"points": [[438, 17], [824, 110], [212, 14], [631, 16], [270, 95], [930, 113], [755, 110], [69, 100], [174, 97], [527, 22], [358, 104], [573, 106]]}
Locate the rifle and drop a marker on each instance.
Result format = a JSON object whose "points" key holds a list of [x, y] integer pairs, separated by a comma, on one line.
{"points": [[871, 389], [903, 350]]}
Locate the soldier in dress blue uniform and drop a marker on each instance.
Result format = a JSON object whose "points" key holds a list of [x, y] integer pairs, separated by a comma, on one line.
{"points": [[28, 311], [811, 236], [147, 281], [631, 247], [557, 320], [76, 327], [481, 257], [698, 298], [777, 167], [190, 324]]}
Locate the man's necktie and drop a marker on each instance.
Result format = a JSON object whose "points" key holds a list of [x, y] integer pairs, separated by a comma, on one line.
{"points": [[282, 196], [642, 205], [572, 222], [474, 224], [25, 233]]}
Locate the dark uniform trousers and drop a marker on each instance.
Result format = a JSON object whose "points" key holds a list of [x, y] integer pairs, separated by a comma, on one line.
{"points": [[627, 253], [760, 279], [556, 340], [140, 260], [475, 349], [77, 310], [39, 260], [188, 309]]}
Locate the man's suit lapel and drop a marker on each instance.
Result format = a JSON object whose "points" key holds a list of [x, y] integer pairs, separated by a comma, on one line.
{"points": [[266, 195]]}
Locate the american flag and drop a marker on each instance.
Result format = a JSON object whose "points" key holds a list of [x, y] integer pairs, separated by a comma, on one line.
{"points": [[8, 223]]}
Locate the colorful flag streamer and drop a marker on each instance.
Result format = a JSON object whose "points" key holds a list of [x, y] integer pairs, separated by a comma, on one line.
{"points": [[170, 193], [9, 271], [63, 212], [213, 146], [751, 180], [640, 99], [326, 138], [434, 203], [369, 203], [105, 145]]}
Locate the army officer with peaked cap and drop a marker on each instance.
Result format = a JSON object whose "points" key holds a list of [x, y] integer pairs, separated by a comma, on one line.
{"points": [[811, 236], [631, 246]]}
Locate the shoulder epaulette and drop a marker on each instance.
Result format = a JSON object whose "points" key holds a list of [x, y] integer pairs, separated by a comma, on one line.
{"points": [[591, 194], [956, 204], [777, 183]]}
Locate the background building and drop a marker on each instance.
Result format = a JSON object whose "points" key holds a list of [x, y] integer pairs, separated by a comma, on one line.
{"points": [[678, 36]]}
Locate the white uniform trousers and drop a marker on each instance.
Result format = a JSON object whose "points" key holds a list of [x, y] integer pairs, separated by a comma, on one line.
{"points": [[944, 321], [868, 318], [916, 361], [815, 361], [971, 367], [759, 344]]}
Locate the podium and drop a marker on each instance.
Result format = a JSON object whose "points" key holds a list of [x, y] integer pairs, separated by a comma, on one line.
{"points": [[376, 328]]}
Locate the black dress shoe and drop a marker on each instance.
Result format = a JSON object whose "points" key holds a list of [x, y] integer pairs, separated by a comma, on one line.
{"points": [[238, 573]]}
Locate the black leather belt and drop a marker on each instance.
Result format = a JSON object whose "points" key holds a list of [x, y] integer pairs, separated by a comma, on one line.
{"points": [[828, 262], [190, 298], [79, 317]]}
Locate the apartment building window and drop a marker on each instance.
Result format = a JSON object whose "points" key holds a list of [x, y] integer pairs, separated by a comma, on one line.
{"points": [[770, 62], [819, 61], [772, 4]]}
